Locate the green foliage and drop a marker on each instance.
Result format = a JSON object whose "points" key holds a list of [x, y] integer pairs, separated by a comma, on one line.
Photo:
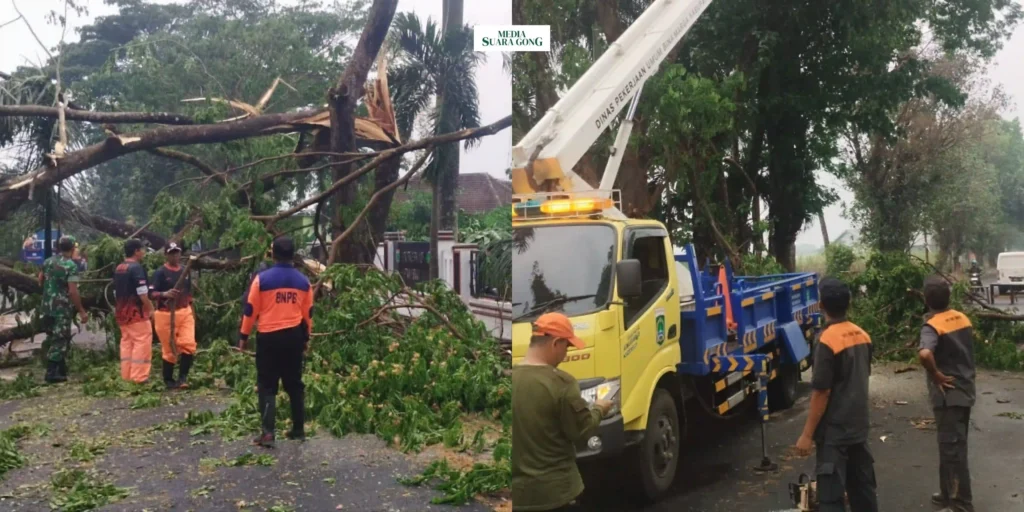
{"points": [[486, 227], [887, 303], [88, 450], [798, 94], [410, 386], [412, 216], [761, 265], [839, 259], [884, 300], [23, 386], [459, 486], [246, 459], [77, 490], [10, 457], [445, 63], [995, 344], [492, 232]]}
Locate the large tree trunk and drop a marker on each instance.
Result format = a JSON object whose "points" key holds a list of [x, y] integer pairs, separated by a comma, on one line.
{"points": [[435, 223], [385, 175], [449, 197], [445, 183], [453, 21], [784, 246], [342, 100]]}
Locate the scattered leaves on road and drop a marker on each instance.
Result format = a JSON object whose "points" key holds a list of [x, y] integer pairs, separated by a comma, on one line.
{"points": [[923, 423], [76, 490], [246, 459]]}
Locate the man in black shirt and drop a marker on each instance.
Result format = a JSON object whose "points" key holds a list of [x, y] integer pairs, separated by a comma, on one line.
{"points": [[132, 311], [947, 353], [838, 419], [183, 344]]}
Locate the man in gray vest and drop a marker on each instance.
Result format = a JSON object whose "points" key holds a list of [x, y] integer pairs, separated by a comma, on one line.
{"points": [[947, 353]]}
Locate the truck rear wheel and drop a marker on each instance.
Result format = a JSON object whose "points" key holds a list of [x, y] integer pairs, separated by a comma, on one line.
{"points": [[782, 390], [657, 457]]}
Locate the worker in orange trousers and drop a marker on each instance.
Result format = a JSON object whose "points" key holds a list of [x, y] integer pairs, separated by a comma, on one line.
{"points": [[181, 349], [132, 312]]}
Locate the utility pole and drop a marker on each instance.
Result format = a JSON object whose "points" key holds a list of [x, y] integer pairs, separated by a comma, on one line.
{"points": [[824, 229]]}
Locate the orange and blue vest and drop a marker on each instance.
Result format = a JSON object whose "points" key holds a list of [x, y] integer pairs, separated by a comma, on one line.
{"points": [[279, 298]]}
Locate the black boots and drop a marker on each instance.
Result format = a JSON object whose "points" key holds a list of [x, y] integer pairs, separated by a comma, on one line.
{"points": [[62, 371], [298, 431], [168, 371], [56, 372], [51, 372], [186, 365], [268, 416]]}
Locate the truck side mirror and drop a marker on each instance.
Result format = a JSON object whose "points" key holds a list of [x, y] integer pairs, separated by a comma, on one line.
{"points": [[627, 272]]}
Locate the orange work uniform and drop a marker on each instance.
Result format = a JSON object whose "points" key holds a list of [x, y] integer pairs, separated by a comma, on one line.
{"points": [[280, 304]]}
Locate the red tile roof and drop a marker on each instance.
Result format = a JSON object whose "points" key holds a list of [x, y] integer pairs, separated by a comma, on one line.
{"points": [[479, 192]]}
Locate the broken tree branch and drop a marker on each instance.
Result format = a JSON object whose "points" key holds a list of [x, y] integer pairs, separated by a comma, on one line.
{"points": [[110, 226], [354, 155], [96, 117], [469, 133], [15, 191], [1000, 316], [373, 200]]}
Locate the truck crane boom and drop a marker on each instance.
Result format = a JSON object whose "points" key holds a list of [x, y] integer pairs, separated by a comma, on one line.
{"points": [[557, 142]]}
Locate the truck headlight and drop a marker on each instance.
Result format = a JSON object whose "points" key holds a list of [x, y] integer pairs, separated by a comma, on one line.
{"points": [[607, 390]]}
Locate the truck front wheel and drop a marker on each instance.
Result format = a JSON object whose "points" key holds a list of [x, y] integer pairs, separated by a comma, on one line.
{"points": [[658, 453]]}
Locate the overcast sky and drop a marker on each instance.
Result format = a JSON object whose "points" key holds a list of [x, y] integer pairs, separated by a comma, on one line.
{"points": [[492, 155], [1006, 71]]}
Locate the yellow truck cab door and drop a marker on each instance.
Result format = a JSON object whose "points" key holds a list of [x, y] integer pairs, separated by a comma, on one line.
{"points": [[651, 320]]}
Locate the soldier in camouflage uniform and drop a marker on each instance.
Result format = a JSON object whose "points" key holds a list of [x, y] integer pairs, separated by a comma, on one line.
{"points": [[59, 280]]}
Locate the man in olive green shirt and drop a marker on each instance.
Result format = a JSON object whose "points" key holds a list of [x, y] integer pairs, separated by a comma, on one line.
{"points": [[548, 417]]}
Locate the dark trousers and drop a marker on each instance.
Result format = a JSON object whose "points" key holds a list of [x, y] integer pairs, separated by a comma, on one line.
{"points": [[279, 357], [848, 469], [953, 423]]}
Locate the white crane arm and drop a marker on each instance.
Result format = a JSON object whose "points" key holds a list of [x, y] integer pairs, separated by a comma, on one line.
{"points": [[567, 131]]}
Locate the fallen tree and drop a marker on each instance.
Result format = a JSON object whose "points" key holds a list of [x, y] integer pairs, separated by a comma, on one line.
{"points": [[409, 378]]}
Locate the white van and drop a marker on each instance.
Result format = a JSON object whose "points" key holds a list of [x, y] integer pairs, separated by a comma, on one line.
{"points": [[1011, 271]]}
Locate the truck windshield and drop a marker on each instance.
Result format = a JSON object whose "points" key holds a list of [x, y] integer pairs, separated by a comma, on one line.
{"points": [[567, 266]]}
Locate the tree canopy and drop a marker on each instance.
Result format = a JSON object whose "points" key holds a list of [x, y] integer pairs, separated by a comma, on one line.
{"points": [[770, 95]]}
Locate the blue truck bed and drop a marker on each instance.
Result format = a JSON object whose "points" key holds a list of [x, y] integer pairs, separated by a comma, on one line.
{"points": [[765, 309]]}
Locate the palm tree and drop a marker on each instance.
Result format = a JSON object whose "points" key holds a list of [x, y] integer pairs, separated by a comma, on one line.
{"points": [[445, 65]]}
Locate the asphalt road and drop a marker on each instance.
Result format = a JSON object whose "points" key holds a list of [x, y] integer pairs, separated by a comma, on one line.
{"points": [[716, 470], [165, 471], [1003, 301]]}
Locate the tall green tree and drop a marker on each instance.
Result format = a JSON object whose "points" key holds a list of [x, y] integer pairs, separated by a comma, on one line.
{"points": [[151, 57], [811, 72]]}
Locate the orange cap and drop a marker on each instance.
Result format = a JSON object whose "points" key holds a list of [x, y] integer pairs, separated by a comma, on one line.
{"points": [[557, 325]]}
